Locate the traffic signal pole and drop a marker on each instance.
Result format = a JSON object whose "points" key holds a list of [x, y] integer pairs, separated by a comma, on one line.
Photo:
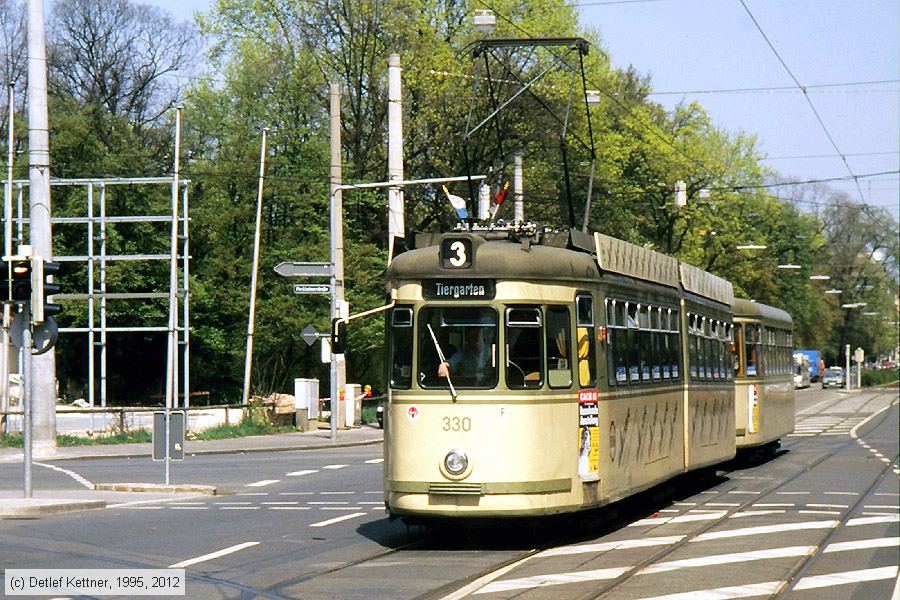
{"points": [[338, 366]]}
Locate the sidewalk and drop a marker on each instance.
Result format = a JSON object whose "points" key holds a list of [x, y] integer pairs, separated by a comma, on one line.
{"points": [[45, 502]]}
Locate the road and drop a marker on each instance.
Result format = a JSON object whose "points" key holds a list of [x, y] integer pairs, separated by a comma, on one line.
{"points": [[819, 520]]}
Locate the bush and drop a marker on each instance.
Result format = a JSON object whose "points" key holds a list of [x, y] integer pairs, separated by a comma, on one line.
{"points": [[871, 378]]}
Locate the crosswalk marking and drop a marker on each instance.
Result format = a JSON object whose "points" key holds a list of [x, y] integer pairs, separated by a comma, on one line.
{"points": [[725, 593], [885, 542], [724, 559], [525, 583], [764, 529], [847, 577], [606, 546]]}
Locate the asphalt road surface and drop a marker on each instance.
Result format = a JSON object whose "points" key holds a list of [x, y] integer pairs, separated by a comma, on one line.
{"points": [[820, 519]]}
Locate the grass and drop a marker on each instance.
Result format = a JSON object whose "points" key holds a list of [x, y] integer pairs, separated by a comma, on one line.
{"points": [[14, 440], [245, 428]]}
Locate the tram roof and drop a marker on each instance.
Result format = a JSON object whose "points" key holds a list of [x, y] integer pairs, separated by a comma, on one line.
{"points": [[556, 256], [747, 309]]}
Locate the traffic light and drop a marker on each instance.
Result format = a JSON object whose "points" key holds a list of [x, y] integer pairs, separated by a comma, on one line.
{"points": [[338, 336], [41, 270], [18, 280]]}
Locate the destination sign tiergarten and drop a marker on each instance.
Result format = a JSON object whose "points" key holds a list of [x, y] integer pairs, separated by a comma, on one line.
{"points": [[458, 289]]}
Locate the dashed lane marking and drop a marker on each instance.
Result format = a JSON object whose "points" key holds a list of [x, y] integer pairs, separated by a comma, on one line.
{"points": [[212, 555], [338, 519], [333, 467], [607, 546], [765, 529], [262, 483], [301, 473], [525, 583], [375, 461]]}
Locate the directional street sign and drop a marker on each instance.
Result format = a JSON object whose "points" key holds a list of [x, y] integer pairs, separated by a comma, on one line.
{"points": [[304, 269], [310, 335], [312, 288]]}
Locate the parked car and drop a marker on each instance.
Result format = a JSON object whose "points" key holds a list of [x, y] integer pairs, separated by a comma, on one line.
{"points": [[834, 377]]}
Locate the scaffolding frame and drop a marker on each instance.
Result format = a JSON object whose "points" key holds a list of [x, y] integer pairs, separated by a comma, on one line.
{"points": [[97, 259]]}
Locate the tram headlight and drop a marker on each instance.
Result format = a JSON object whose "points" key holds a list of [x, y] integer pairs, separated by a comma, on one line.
{"points": [[456, 462]]}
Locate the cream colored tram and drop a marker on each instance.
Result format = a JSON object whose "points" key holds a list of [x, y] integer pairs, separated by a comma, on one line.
{"points": [[763, 365], [607, 373]]}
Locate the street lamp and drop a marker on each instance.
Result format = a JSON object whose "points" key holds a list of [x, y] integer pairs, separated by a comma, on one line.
{"points": [[485, 21]]}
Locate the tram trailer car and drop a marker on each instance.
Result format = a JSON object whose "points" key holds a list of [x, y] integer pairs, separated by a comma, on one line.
{"points": [[609, 371], [764, 383]]}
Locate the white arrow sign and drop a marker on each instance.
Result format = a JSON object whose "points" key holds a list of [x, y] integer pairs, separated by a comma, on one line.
{"points": [[304, 269]]}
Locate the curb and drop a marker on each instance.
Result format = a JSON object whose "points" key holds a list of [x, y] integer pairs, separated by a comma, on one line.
{"points": [[207, 490], [30, 508]]}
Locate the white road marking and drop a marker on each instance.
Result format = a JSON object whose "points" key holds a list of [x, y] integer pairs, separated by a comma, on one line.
{"points": [[792, 493], [607, 546], [847, 577], [338, 519], [239, 508], [336, 493], [301, 473], [71, 474], [818, 512], [232, 503], [718, 535], [887, 506], [340, 508], [295, 493], [723, 559], [774, 504], [744, 492], [375, 461], [288, 508], [724, 593], [262, 483], [473, 587], [334, 467], [723, 504], [525, 583], [328, 502], [280, 503], [756, 513], [873, 520], [885, 542], [252, 494], [843, 494], [827, 505], [212, 555]]}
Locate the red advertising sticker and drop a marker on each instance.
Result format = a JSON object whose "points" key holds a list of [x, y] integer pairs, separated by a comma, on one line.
{"points": [[587, 396]]}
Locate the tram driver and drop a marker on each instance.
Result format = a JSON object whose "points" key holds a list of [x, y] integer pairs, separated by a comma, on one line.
{"points": [[471, 364]]}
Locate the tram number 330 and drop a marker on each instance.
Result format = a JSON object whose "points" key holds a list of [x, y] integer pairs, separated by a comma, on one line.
{"points": [[456, 253], [457, 424]]}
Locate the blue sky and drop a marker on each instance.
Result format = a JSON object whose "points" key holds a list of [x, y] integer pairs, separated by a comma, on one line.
{"points": [[710, 46]]}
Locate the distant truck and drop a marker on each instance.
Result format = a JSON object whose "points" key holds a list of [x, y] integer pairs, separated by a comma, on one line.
{"points": [[816, 365]]}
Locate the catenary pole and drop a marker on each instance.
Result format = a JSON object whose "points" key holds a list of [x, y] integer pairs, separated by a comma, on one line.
{"points": [[338, 373], [43, 384], [172, 347], [248, 358], [396, 226]]}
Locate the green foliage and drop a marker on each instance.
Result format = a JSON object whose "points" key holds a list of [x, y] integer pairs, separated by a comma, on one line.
{"points": [[139, 436], [886, 377]]}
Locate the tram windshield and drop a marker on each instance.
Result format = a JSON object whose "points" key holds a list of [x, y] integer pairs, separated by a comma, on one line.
{"points": [[459, 344]]}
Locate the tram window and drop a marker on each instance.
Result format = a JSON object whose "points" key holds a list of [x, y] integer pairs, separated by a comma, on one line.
{"points": [[656, 339], [401, 340], [559, 342], [715, 347], [674, 342], [524, 364], [619, 340], [587, 365], [645, 352], [752, 350], [467, 338], [692, 355]]}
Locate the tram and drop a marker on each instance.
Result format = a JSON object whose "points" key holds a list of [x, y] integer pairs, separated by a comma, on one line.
{"points": [[533, 372], [763, 364]]}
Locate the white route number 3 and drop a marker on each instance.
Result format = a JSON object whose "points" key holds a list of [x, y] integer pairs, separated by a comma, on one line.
{"points": [[456, 253]]}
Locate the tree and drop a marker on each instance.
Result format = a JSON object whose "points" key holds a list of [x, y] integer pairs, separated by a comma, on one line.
{"points": [[124, 56]]}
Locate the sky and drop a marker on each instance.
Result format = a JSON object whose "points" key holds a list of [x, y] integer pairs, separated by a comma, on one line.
{"points": [[845, 54]]}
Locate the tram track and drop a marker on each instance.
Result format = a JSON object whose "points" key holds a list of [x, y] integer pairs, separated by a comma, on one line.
{"points": [[488, 575]]}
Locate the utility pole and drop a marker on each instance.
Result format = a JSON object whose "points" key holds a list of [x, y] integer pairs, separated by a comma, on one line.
{"points": [[7, 251], [338, 306], [43, 388], [251, 319]]}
